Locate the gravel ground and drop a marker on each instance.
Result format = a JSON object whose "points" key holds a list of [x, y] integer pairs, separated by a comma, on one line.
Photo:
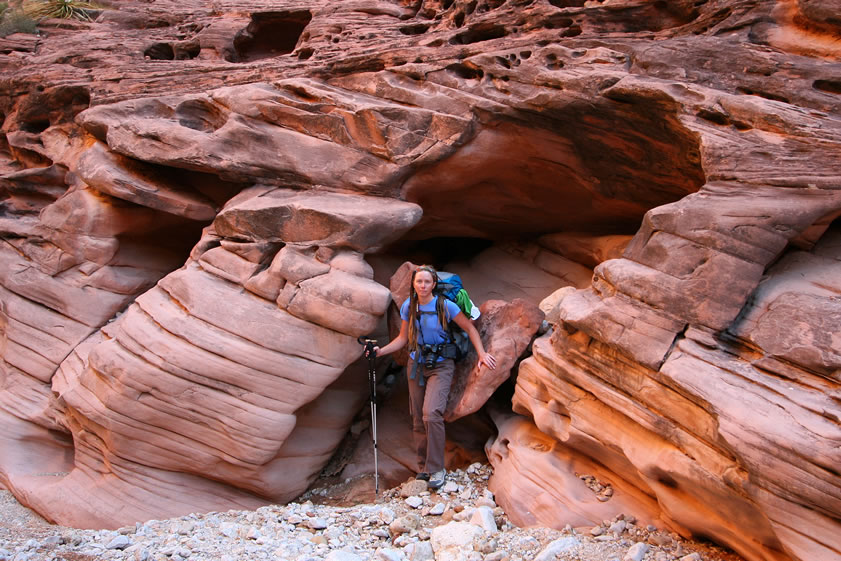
{"points": [[460, 522]]}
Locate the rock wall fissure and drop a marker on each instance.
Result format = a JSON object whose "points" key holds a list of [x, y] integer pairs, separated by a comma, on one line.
{"points": [[658, 177]]}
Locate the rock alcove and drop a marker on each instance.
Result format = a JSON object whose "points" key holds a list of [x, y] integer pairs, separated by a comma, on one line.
{"points": [[673, 166], [270, 34]]}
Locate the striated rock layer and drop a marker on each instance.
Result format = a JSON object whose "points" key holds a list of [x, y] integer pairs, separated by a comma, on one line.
{"points": [[202, 205]]}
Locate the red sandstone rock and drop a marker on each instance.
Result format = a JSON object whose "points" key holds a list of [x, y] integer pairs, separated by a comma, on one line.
{"points": [[714, 124], [506, 330]]}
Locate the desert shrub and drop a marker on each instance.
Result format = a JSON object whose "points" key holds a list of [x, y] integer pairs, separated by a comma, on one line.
{"points": [[64, 9]]}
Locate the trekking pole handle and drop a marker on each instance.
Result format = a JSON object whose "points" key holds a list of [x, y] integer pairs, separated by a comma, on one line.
{"points": [[369, 345]]}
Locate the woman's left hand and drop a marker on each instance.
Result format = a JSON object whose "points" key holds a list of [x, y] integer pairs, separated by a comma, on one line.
{"points": [[487, 360]]}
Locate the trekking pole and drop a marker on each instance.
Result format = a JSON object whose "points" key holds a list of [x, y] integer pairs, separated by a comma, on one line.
{"points": [[372, 383]]}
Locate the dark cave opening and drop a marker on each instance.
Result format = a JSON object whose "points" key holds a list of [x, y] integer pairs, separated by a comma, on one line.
{"points": [[160, 51], [270, 34]]}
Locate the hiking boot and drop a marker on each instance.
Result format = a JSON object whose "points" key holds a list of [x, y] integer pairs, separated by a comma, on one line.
{"points": [[422, 476], [436, 480]]}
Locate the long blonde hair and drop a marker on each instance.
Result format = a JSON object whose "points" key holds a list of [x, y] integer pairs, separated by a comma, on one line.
{"points": [[414, 312]]}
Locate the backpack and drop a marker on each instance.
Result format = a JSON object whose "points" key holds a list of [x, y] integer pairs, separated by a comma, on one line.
{"points": [[451, 287]]}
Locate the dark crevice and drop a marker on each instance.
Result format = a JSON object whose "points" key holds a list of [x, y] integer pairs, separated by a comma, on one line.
{"points": [[173, 51], [270, 34], [557, 21], [766, 95], [479, 33], [714, 117], [466, 71], [416, 29], [573, 31], [35, 126], [160, 51], [567, 3], [828, 86]]}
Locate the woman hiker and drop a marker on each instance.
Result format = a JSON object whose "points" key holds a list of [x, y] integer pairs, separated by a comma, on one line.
{"points": [[425, 318]]}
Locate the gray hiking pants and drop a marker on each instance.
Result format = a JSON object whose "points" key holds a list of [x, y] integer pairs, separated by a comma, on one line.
{"points": [[427, 404]]}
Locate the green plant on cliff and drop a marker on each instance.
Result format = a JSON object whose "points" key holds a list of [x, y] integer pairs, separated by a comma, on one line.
{"points": [[64, 9], [14, 20]]}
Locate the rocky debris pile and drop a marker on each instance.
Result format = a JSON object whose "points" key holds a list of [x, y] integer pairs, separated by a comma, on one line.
{"points": [[602, 490], [460, 522]]}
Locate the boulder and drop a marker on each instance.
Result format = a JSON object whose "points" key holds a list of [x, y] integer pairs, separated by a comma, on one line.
{"points": [[318, 219], [506, 330], [519, 144]]}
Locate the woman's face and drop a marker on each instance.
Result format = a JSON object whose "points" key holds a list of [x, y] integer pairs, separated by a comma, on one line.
{"points": [[424, 283]]}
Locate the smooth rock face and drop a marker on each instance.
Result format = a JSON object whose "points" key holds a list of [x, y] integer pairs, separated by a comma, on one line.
{"points": [[191, 199], [251, 400]]}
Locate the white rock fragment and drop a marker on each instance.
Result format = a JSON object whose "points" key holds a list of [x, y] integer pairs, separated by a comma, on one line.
{"points": [[618, 527], [637, 552], [555, 548], [454, 541], [484, 518], [419, 551], [438, 509], [229, 529], [414, 502], [386, 515], [316, 523], [387, 554], [252, 533], [450, 487], [119, 542]]}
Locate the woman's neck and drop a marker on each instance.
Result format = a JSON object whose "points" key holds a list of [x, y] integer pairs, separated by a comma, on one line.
{"points": [[427, 300]]}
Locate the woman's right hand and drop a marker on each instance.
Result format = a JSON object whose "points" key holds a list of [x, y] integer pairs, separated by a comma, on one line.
{"points": [[374, 351]]}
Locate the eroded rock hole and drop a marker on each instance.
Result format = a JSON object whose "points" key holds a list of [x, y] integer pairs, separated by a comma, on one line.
{"points": [[763, 94], [572, 31], [270, 34], [479, 33], [468, 72], [567, 3], [35, 126], [416, 29], [828, 86], [55, 106], [173, 51], [714, 117], [553, 62], [200, 115], [557, 21], [160, 51]]}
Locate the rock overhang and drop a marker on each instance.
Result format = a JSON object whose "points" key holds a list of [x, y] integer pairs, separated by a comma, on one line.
{"points": [[587, 80]]}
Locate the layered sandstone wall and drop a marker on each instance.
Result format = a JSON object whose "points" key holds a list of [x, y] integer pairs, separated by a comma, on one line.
{"points": [[202, 207]]}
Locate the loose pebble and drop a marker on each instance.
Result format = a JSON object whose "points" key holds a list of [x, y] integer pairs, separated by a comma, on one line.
{"points": [[461, 522]]}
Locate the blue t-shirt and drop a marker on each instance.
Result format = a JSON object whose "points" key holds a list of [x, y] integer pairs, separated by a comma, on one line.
{"points": [[431, 332]]}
